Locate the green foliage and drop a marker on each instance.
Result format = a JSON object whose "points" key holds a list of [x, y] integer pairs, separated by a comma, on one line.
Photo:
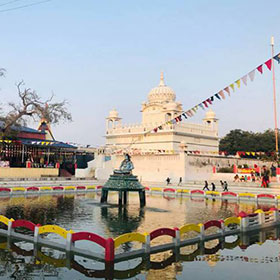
{"points": [[239, 140]]}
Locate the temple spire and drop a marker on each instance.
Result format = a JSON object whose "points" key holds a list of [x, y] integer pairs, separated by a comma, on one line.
{"points": [[161, 83]]}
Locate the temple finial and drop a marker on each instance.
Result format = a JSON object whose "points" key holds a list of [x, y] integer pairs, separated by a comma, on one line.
{"points": [[161, 83]]}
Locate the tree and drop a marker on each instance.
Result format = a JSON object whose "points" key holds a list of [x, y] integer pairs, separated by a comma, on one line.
{"points": [[239, 140], [31, 105]]}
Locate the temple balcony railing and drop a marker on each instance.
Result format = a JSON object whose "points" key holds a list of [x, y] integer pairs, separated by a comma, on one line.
{"points": [[199, 129]]}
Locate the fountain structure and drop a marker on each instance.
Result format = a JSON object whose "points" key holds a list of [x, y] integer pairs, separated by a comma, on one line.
{"points": [[123, 181]]}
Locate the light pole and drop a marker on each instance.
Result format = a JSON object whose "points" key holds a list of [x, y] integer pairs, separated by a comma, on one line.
{"points": [[274, 96]]}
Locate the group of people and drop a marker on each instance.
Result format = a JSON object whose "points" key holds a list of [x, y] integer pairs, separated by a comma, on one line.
{"points": [[168, 181], [224, 186]]}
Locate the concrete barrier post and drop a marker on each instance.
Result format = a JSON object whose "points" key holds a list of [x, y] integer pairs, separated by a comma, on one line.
{"points": [[36, 234], [10, 229], [69, 241], [261, 217], [147, 245], [201, 231], [244, 223], [275, 214], [222, 229], [176, 239]]}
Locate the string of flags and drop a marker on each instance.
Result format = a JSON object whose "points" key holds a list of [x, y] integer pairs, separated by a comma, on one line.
{"points": [[220, 95], [136, 151], [239, 153]]}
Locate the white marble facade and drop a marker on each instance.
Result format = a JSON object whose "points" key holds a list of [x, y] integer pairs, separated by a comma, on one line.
{"points": [[160, 107]]}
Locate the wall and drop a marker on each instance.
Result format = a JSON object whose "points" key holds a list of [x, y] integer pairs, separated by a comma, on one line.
{"points": [[6, 172]]}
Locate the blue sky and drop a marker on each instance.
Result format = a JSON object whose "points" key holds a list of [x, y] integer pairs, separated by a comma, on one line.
{"points": [[105, 54]]}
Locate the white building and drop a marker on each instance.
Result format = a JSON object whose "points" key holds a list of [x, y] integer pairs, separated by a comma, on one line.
{"points": [[161, 107]]}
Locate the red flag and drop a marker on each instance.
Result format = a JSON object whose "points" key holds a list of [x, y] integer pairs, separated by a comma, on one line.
{"points": [[260, 69], [205, 104], [268, 64], [155, 129], [209, 101]]}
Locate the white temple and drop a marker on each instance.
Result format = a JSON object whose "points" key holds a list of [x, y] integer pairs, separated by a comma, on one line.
{"points": [[164, 153], [160, 107]]}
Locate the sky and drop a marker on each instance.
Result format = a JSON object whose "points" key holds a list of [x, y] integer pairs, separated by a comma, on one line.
{"points": [[101, 55]]}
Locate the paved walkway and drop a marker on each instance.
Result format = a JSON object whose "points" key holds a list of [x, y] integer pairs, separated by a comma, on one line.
{"points": [[191, 185]]}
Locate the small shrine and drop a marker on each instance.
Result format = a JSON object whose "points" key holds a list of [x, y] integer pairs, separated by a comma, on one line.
{"points": [[123, 181]]}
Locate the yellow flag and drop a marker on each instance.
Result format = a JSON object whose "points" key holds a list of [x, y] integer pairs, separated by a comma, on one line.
{"points": [[238, 83], [232, 86]]}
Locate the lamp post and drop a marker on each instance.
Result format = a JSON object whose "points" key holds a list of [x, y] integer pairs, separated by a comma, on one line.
{"points": [[274, 96]]}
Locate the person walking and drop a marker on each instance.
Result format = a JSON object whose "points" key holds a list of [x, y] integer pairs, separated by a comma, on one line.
{"points": [[206, 186], [180, 181], [167, 181], [222, 184], [225, 186], [213, 187]]}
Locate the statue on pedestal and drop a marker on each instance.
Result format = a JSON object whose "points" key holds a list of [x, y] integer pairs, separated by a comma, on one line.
{"points": [[124, 181], [126, 166]]}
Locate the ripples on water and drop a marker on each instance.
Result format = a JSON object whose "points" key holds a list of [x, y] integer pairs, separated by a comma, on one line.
{"points": [[84, 213]]}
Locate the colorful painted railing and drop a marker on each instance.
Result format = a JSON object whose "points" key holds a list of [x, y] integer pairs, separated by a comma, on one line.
{"points": [[46, 189], [213, 194], [231, 225]]}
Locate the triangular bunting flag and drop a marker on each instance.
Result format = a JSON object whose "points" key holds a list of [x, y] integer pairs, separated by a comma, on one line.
{"points": [[217, 95], [185, 116], [268, 64], [222, 94], [188, 113], [227, 90], [252, 75], [205, 104], [155, 129], [232, 86], [209, 101], [191, 113], [277, 57], [212, 98], [194, 110], [260, 69], [244, 80], [238, 83], [201, 106]]}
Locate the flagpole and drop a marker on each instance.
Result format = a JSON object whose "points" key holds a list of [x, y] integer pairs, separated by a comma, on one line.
{"points": [[274, 96]]}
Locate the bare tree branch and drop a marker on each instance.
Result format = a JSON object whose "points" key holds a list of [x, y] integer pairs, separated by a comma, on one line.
{"points": [[31, 105]]}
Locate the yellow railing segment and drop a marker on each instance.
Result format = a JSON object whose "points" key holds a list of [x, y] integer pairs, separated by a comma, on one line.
{"points": [[70, 188], [213, 192], [189, 227], [183, 191], [46, 188], [247, 194], [129, 237], [5, 220], [156, 189], [18, 189], [232, 220], [54, 229]]}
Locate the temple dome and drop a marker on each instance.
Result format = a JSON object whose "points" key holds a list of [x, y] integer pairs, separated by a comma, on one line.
{"points": [[161, 93], [113, 114], [171, 106], [210, 114]]}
